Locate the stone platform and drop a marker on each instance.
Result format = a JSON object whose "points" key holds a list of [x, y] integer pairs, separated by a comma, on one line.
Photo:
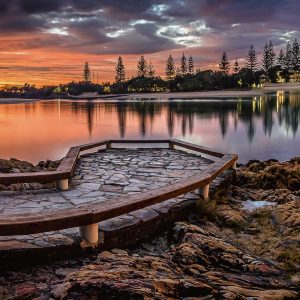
{"points": [[100, 176]]}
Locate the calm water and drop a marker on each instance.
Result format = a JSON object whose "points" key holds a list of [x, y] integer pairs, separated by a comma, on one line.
{"points": [[255, 128]]}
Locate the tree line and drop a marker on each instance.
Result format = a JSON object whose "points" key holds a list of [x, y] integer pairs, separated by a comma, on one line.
{"points": [[186, 77], [181, 77]]}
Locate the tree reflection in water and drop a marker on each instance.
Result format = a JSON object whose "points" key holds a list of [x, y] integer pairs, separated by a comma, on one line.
{"points": [[285, 106]]}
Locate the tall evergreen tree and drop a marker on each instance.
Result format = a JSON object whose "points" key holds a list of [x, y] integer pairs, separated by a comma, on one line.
{"points": [[268, 58], [120, 70], [251, 59], [142, 67], [191, 68], [86, 73], [281, 59], [288, 59], [150, 71], [236, 66], [183, 65], [272, 54], [224, 64], [170, 68], [296, 56]]}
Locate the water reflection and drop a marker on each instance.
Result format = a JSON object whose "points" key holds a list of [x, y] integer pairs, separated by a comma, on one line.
{"points": [[258, 126]]}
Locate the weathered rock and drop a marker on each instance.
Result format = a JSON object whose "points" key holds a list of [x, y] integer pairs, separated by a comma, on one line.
{"points": [[197, 264], [5, 166], [271, 174]]}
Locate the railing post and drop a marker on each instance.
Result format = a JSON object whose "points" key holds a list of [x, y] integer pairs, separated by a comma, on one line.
{"points": [[62, 184], [108, 145], [171, 145], [234, 165], [89, 233], [204, 192]]}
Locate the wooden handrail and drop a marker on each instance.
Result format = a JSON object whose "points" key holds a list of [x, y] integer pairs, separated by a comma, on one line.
{"points": [[19, 224]]}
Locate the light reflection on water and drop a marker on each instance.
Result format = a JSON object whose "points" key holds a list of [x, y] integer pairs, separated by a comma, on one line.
{"points": [[255, 128]]}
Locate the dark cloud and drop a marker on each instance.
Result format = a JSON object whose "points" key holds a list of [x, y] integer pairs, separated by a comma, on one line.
{"points": [[36, 6], [130, 26]]}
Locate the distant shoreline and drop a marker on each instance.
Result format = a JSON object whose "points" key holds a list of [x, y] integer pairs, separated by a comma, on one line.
{"points": [[219, 94], [146, 96]]}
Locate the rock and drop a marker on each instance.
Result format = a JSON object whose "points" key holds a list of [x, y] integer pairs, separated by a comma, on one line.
{"points": [[5, 166], [21, 165], [197, 264], [52, 165], [270, 174]]}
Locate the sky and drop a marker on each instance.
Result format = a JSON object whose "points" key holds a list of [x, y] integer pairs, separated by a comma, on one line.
{"points": [[46, 42]]}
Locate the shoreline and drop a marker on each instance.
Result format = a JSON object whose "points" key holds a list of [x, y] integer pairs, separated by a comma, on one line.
{"points": [[215, 94], [152, 96], [208, 95]]}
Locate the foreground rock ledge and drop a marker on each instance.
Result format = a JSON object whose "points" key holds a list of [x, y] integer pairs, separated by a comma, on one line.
{"points": [[232, 253], [194, 263]]}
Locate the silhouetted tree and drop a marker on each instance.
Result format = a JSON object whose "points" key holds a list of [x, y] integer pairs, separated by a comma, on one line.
{"points": [[142, 67], [86, 73], [251, 59], [296, 56], [150, 71], [280, 59], [236, 67], [170, 68], [288, 59], [191, 65], [120, 70], [183, 65], [268, 58], [224, 64]]}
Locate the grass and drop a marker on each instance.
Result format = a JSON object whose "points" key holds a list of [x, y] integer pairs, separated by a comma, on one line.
{"points": [[207, 211], [290, 258]]}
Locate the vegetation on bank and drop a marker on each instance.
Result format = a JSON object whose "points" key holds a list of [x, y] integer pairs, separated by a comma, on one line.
{"points": [[185, 77]]}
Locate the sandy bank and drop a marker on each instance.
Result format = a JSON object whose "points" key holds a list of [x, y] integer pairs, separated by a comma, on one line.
{"points": [[16, 100], [221, 94], [193, 95]]}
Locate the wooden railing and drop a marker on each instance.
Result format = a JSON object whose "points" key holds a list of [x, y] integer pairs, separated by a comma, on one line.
{"points": [[87, 217]]}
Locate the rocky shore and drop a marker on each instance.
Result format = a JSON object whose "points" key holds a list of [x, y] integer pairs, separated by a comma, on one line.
{"points": [[242, 244], [14, 165]]}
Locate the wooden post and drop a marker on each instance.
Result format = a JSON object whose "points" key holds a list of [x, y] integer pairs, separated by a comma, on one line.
{"points": [[204, 192], [171, 146], [89, 233], [108, 146], [62, 184], [234, 165]]}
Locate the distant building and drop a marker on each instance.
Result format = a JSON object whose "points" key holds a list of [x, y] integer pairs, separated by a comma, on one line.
{"points": [[294, 76]]}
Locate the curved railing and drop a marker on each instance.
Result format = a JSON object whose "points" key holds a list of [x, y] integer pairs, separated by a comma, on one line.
{"points": [[87, 217]]}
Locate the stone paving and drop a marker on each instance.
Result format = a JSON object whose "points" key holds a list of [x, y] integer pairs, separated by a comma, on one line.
{"points": [[108, 174], [100, 176]]}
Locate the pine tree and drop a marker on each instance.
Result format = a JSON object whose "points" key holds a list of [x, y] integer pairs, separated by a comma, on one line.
{"points": [[265, 59], [191, 65], [268, 58], [183, 65], [295, 56], [120, 70], [86, 73], [288, 59], [142, 67], [236, 67], [150, 71], [170, 68], [251, 59], [272, 54], [280, 59], [224, 64]]}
